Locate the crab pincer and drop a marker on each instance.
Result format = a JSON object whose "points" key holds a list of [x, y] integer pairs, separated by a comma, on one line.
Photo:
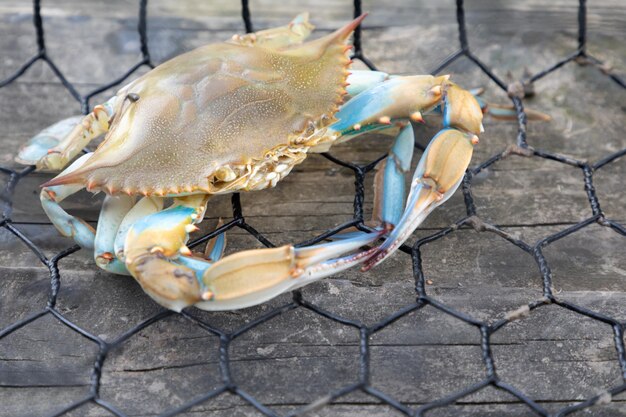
{"points": [[250, 277], [157, 256]]}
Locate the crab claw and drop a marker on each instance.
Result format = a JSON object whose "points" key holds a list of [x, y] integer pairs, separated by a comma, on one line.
{"points": [[438, 174], [461, 110], [252, 277], [156, 254], [172, 285]]}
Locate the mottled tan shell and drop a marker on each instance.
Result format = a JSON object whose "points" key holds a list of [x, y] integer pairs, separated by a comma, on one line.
{"points": [[209, 119]]}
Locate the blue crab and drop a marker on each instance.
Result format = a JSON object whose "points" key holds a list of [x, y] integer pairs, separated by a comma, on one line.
{"points": [[238, 116]]}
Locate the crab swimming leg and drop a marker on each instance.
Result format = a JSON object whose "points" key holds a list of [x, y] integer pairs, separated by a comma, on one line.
{"points": [[54, 147]]}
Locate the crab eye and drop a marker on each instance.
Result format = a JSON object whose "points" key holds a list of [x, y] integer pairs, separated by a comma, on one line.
{"points": [[132, 97]]}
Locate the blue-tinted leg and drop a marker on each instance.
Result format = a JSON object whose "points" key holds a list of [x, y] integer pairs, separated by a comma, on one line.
{"points": [[68, 225]]}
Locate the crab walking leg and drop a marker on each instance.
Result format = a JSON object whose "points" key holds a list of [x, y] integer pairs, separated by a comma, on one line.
{"points": [[66, 224], [389, 184], [215, 247], [154, 245], [441, 168], [252, 277], [38, 146], [76, 137], [114, 210], [291, 34], [507, 112], [438, 175]]}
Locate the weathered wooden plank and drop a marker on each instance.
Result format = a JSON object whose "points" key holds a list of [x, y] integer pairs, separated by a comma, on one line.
{"points": [[38, 401], [555, 356], [63, 359], [340, 410], [154, 370], [565, 338], [533, 15], [81, 300]]}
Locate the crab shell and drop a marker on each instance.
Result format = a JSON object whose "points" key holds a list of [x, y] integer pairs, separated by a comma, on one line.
{"points": [[220, 118]]}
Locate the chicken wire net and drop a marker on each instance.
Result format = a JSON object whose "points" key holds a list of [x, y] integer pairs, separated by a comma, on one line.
{"points": [[489, 378]]}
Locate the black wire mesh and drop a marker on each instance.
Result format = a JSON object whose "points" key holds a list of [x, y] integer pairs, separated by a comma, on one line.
{"points": [[520, 147]]}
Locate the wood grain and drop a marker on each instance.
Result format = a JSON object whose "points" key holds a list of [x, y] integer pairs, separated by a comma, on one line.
{"points": [[555, 356]]}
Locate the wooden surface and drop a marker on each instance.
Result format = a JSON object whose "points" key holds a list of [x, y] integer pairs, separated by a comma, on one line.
{"points": [[555, 356]]}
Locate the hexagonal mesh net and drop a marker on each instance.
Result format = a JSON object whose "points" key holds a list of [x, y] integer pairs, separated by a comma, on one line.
{"points": [[364, 384]]}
